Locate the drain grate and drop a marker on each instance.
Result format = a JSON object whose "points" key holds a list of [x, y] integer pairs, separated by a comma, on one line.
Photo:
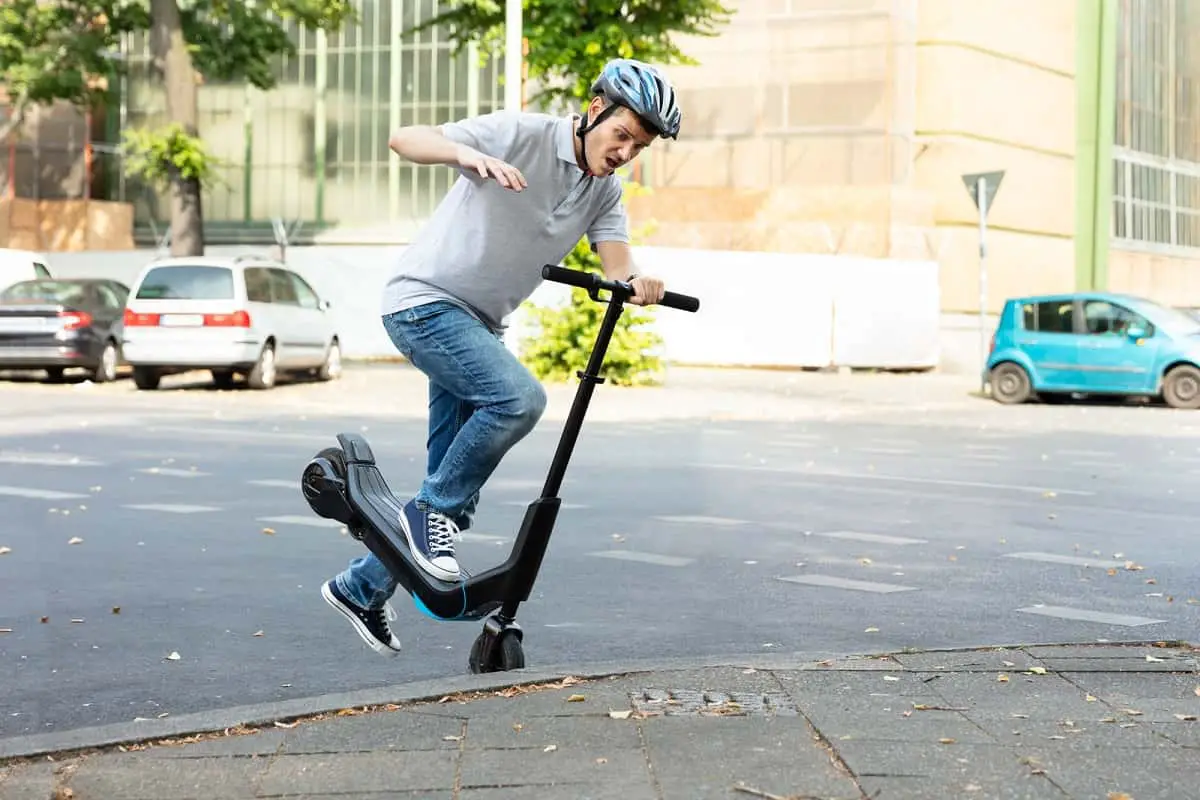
{"points": [[696, 702]]}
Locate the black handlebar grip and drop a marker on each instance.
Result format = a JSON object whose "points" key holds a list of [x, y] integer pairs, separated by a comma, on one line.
{"points": [[684, 302], [571, 277]]}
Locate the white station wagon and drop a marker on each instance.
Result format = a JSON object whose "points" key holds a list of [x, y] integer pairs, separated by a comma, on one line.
{"points": [[247, 315]]}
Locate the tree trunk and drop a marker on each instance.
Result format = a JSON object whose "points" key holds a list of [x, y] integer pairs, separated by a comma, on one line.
{"points": [[169, 50]]}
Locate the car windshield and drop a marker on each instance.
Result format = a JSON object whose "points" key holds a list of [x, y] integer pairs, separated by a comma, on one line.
{"points": [[52, 292], [1179, 323], [187, 283]]}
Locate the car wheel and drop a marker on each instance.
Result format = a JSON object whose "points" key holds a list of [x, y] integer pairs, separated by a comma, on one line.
{"points": [[331, 370], [1181, 387], [146, 378], [106, 369], [222, 378], [263, 374], [1010, 384]]}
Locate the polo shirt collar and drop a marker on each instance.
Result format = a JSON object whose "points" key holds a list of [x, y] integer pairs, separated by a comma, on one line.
{"points": [[566, 139]]}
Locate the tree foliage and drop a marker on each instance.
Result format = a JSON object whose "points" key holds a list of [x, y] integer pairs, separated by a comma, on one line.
{"points": [[570, 40]]}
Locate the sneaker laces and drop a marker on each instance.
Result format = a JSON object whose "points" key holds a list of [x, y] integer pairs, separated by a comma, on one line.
{"points": [[442, 533]]}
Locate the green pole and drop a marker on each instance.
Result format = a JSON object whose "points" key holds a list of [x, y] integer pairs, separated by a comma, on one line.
{"points": [[247, 155], [319, 134], [1095, 89]]}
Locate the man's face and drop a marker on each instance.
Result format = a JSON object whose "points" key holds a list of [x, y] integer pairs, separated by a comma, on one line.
{"points": [[616, 141]]}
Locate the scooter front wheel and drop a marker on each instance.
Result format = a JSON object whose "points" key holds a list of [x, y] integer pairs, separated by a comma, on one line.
{"points": [[507, 654]]}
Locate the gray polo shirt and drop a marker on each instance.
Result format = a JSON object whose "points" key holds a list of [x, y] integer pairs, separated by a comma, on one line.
{"points": [[485, 245]]}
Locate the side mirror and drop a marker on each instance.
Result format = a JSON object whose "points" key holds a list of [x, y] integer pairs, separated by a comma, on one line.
{"points": [[1135, 332]]}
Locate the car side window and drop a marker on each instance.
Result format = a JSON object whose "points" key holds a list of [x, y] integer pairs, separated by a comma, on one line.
{"points": [[307, 297], [1104, 318], [258, 285], [282, 288], [1050, 316], [40, 270], [108, 298]]}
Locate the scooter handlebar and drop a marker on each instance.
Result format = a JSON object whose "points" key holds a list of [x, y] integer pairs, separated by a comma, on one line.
{"points": [[592, 281]]}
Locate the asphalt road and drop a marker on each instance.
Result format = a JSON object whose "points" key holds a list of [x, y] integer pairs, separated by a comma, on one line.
{"points": [[961, 526]]}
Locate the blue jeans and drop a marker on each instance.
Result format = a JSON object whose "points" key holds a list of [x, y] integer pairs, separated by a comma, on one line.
{"points": [[482, 401]]}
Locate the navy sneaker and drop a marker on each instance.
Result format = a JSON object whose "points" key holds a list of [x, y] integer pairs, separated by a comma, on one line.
{"points": [[371, 624], [431, 536]]}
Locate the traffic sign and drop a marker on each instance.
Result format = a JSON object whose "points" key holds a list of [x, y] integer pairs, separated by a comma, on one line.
{"points": [[991, 184]]}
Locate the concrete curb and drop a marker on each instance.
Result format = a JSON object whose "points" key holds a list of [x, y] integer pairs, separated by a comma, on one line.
{"points": [[126, 733]]}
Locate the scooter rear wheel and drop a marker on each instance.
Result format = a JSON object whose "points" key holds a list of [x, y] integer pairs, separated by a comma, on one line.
{"points": [[506, 654]]}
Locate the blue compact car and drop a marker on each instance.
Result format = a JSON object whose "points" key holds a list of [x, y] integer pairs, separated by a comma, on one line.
{"points": [[1094, 343]]}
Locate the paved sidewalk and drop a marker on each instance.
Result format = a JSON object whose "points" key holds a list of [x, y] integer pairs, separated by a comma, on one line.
{"points": [[1097, 721]]}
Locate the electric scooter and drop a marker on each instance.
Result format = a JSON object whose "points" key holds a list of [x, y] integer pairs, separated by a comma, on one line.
{"points": [[343, 483]]}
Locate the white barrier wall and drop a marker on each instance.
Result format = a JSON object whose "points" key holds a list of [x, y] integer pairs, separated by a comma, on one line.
{"points": [[756, 309]]}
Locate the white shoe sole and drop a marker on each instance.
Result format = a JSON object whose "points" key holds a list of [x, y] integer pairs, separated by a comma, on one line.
{"points": [[372, 642]]}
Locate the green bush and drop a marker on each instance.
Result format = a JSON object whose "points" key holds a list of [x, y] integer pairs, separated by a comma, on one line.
{"points": [[562, 336]]}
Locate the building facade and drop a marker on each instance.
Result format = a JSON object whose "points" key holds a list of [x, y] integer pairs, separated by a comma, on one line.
{"points": [[828, 126]]}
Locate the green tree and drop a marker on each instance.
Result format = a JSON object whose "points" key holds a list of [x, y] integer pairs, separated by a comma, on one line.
{"points": [[65, 50], [570, 40]]}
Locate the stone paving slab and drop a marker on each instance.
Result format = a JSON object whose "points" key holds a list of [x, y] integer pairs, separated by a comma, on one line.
{"points": [[923, 725]]}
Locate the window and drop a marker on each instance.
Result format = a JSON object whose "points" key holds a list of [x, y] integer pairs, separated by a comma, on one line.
{"points": [[282, 289], [108, 298], [1051, 316], [308, 298], [187, 283], [40, 270], [258, 285], [1103, 318]]}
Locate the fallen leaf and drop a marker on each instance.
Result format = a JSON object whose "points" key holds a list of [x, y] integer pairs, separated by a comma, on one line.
{"points": [[1153, 659], [286, 724], [602, 760], [45, 620], [1151, 581], [5, 551], [1002, 678], [116, 609], [452, 738], [1118, 796], [946, 741], [1131, 566], [1133, 712], [550, 748], [174, 656], [576, 698], [1008, 663], [1036, 671], [259, 633], [77, 620], [890, 678], [1186, 717], [829, 663], [1049, 494], [6, 630], [871, 630], [1089, 698], [1111, 571], [75, 540], [619, 714], [1196, 691], [866, 562], [269, 531]]}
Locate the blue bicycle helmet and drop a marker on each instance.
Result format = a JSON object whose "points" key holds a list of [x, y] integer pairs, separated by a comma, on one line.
{"points": [[642, 89]]}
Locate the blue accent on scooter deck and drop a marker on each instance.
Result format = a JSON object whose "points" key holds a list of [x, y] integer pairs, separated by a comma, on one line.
{"points": [[461, 617]]}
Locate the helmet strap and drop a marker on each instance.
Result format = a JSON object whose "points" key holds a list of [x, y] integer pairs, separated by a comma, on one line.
{"points": [[585, 126]]}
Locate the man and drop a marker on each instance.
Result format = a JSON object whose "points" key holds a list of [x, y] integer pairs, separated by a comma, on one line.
{"points": [[530, 186]]}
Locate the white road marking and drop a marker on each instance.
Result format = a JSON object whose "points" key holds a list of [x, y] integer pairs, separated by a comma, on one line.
{"points": [[172, 472], [994, 457], [48, 460], [312, 522], [701, 520], [276, 483], [1054, 558], [992, 447], [469, 536], [171, 509], [845, 583], [236, 435], [886, 451], [874, 476], [645, 558], [877, 538], [1083, 615], [1086, 453], [37, 494]]}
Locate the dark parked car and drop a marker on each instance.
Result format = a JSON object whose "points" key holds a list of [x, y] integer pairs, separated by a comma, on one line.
{"points": [[57, 324]]}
